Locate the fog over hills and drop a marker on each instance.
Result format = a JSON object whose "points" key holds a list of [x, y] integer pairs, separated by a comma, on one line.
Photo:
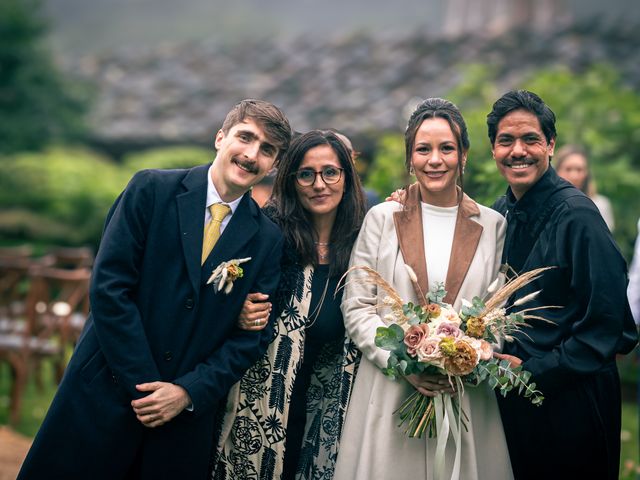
{"points": [[90, 26]]}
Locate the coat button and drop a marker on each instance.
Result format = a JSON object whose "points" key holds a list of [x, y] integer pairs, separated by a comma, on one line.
{"points": [[189, 303], [168, 356]]}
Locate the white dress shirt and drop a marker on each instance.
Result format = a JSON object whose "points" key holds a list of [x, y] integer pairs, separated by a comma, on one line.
{"points": [[214, 197]]}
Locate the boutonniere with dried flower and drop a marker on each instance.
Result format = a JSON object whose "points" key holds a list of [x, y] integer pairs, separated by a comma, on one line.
{"points": [[226, 273]]}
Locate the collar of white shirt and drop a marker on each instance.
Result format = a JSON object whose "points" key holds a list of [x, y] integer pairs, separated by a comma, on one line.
{"points": [[214, 197]]}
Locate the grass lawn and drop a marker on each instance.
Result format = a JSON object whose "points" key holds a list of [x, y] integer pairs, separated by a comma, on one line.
{"points": [[629, 467], [36, 402]]}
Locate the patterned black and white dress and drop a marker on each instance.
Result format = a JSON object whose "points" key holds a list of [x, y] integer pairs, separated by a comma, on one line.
{"points": [[311, 382]]}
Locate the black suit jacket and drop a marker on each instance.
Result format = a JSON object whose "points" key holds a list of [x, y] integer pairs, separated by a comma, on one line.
{"points": [[154, 318]]}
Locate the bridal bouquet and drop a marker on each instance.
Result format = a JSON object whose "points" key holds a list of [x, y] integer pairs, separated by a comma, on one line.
{"points": [[433, 338]]}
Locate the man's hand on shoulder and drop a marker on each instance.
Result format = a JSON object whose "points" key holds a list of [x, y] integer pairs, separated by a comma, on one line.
{"points": [[165, 402]]}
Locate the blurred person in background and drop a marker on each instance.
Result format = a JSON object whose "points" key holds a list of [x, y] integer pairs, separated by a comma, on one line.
{"points": [[575, 433], [372, 198], [633, 294], [161, 348], [261, 192], [633, 290], [285, 416], [572, 164]]}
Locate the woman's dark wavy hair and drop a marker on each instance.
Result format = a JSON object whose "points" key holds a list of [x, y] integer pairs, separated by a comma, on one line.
{"points": [[437, 108], [296, 222]]}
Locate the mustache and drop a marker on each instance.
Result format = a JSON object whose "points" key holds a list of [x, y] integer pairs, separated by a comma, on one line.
{"points": [[251, 167], [518, 161]]}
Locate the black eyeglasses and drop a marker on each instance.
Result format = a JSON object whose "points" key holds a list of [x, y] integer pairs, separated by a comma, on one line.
{"points": [[307, 177]]}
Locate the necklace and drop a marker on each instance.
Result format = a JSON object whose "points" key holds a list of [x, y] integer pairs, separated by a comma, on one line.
{"points": [[322, 246]]}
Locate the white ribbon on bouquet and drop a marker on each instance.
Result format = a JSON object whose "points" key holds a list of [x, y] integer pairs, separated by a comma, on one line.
{"points": [[447, 422]]}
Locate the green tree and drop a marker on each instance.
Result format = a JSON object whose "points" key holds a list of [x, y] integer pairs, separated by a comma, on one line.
{"points": [[37, 105]]}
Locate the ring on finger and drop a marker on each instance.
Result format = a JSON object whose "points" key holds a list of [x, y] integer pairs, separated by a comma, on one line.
{"points": [[256, 322]]}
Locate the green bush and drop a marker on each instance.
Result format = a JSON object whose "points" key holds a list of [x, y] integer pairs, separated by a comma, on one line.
{"points": [[388, 172], [167, 157], [60, 196]]}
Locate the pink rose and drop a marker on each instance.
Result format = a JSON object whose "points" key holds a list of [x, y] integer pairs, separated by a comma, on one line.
{"points": [[414, 336], [448, 329], [429, 351], [482, 348], [486, 351]]}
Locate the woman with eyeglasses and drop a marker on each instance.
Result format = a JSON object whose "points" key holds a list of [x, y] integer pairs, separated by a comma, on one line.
{"points": [[284, 417]]}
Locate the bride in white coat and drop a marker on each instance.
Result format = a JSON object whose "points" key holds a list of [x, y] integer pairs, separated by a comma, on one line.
{"points": [[445, 237]]}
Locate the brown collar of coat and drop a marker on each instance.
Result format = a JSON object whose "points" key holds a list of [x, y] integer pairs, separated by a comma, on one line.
{"points": [[466, 237]]}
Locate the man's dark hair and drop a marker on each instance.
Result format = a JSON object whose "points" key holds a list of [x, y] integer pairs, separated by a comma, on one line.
{"points": [[268, 116], [522, 100], [296, 222]]}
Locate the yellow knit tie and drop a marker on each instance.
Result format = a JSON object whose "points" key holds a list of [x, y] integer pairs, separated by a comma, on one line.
{"points": [[212, 229]]}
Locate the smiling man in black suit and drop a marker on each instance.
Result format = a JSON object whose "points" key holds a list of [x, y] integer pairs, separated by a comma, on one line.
{"points": [[161, 346]]}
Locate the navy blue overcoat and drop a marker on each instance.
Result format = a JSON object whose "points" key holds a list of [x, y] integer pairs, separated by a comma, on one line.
{"points": [[154, 318]]}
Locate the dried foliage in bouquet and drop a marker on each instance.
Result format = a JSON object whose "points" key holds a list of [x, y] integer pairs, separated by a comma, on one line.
{"points": [[435, 339]]}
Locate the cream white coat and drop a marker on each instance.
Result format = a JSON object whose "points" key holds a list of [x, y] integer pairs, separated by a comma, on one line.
{"points": [[372, 445]]}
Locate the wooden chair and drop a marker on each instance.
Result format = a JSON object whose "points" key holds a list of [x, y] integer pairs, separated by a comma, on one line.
{"points": [[14, 273], [55, 311], [12, 354], [19, 251], [58, 306], [70, 258], [14, 287]]}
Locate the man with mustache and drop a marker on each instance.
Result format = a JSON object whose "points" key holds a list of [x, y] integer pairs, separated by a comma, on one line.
{"points": [[576, 432], [161, 347]]}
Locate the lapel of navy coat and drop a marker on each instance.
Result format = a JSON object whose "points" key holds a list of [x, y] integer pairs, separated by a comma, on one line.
{"points": [[154, 318]]}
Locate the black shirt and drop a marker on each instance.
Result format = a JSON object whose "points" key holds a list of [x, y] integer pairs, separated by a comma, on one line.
{"points": [[324, 325], [589, 282]]}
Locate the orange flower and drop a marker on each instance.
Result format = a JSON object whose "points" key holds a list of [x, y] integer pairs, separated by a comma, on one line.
{"points": [[433, 310], [463, 361], [234, 271]]}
